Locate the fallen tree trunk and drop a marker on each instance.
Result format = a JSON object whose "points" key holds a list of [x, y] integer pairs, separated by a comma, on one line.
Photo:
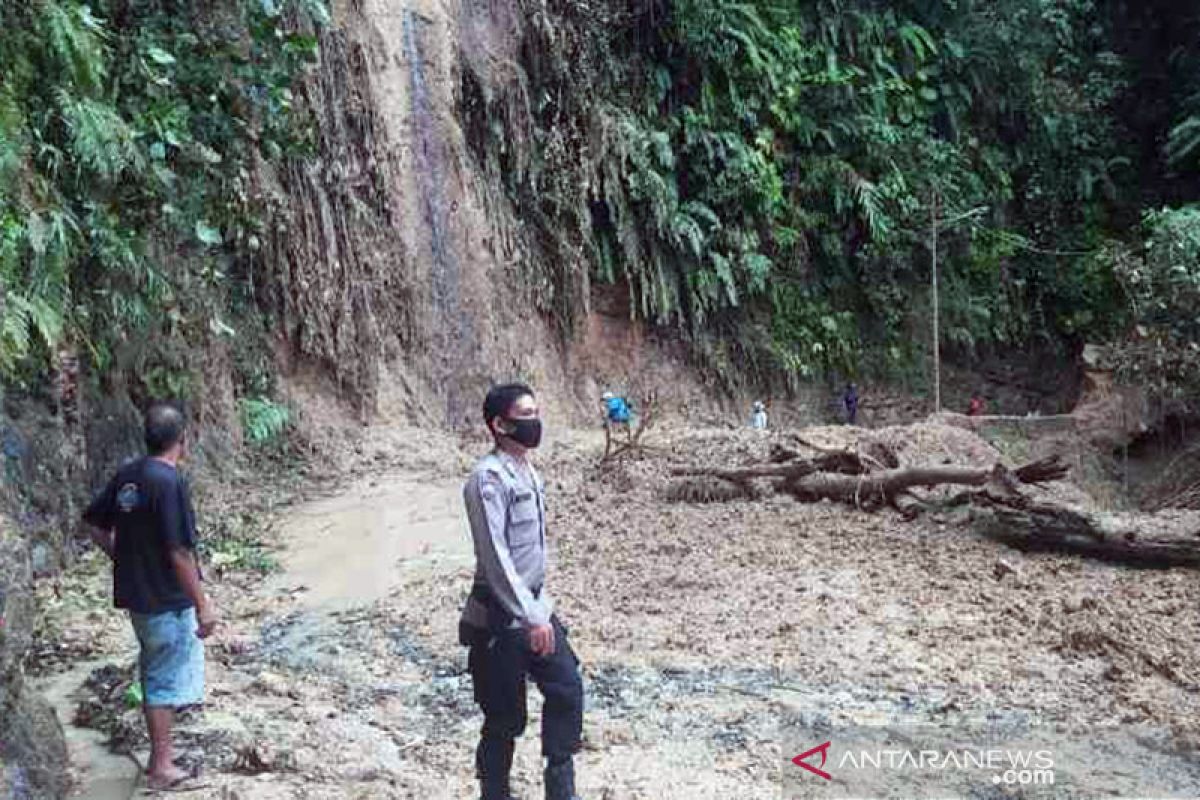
{"points": [[791, 470], [998, 507], [841, 475], [881, 487], [1026, 525], [790, 466]]}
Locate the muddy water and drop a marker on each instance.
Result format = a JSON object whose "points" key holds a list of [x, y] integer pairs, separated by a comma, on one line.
{"points": [[350, 550], [345, 551], [384, 688], [100, 775]]}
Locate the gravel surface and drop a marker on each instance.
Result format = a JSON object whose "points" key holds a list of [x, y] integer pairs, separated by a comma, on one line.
{"points": [[708, 631]]}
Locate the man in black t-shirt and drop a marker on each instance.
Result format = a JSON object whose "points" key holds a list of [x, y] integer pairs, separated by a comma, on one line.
{"points": [[144, 521]]}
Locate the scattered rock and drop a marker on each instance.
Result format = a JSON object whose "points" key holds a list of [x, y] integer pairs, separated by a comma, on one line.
{"points": [[697, 625], [271, 683], [1003, 567], [1080, 602]]}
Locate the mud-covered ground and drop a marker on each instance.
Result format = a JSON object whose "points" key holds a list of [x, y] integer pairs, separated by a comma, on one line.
{"points": [[708, 632]]}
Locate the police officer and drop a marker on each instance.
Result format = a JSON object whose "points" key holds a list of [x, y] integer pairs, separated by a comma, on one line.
{"points": [[508, 621]]}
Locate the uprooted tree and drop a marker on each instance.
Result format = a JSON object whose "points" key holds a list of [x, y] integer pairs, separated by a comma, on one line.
{"points": [[998, 503]]}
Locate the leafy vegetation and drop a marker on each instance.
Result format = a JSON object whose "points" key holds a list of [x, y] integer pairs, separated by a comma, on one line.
{"points": [[239, 538], [767, 175], [250, 554], [263, 420], [1162, 286], [130, 132]]}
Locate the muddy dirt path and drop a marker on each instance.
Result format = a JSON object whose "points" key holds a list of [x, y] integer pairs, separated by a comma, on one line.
{"points": [[715, 640], [338, 553], [102, 774], [353, 549]]}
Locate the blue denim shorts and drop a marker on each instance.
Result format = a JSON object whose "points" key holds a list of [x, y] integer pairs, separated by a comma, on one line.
{"points": [[171, 659]]}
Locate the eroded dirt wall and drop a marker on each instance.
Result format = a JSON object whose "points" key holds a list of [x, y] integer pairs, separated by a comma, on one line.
{"points": [[402, 256]]}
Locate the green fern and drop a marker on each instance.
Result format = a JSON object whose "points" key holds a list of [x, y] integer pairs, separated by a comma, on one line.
{"points": [[263, 420], [15, 337], [870, 206], [76, 40], [24, 318], [100, 139], [12, 138], [919, 41], [116, 138], [1183, 142]]}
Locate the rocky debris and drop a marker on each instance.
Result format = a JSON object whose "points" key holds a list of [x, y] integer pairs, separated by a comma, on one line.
{"points": [[702, 629], [259, 757], [104, 708], [271, 683], [1109, 414], [1003, 568]]}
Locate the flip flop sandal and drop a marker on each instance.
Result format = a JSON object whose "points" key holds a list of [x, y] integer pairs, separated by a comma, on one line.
{"points": [[179, 761], [184, 783], [185, 762]]}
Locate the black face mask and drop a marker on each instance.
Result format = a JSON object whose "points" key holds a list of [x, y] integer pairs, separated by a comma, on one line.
{"points": [[526, 432]]}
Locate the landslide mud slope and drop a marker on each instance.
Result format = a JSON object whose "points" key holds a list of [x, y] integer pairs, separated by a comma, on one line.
{"points": [[703, 630]]}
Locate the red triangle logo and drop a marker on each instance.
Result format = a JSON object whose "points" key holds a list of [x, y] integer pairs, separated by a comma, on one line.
{"points": [[823, 749]]}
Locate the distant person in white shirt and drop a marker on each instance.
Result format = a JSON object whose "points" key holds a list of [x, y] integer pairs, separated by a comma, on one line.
{"points": [[758, 419]]}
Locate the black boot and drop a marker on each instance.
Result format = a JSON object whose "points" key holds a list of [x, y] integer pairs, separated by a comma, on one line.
{"points": [[493, 763], [560, 780]]}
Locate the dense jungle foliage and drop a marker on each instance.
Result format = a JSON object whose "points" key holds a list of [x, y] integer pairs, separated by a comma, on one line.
{"points": [[130, 217], [765, 177], [767, 174]]}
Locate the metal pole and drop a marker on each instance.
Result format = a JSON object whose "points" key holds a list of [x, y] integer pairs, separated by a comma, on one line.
{"points": [[937, 358]]}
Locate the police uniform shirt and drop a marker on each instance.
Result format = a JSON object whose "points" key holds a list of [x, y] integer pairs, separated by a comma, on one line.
{"points": [[506, 508]]}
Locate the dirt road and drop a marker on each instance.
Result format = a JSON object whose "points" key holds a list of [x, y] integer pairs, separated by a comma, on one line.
{"points": [[716, 639], [353, 549]]}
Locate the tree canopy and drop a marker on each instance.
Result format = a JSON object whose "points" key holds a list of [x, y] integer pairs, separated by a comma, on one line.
{"points": [[765, 174]]}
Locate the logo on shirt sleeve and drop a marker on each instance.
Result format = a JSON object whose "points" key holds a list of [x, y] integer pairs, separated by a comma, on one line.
{"points": [[129, 498]]}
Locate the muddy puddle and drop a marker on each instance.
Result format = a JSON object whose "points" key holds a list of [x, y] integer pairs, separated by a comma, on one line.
{"points": [[100, 774], [350, 550], [715, 641]]}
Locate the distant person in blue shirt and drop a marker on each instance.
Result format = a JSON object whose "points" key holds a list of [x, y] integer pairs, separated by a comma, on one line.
{"points": [[616, 409]]}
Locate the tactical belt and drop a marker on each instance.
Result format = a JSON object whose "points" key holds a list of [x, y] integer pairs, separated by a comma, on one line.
{"points": [[469, 635], [482, 593]]}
